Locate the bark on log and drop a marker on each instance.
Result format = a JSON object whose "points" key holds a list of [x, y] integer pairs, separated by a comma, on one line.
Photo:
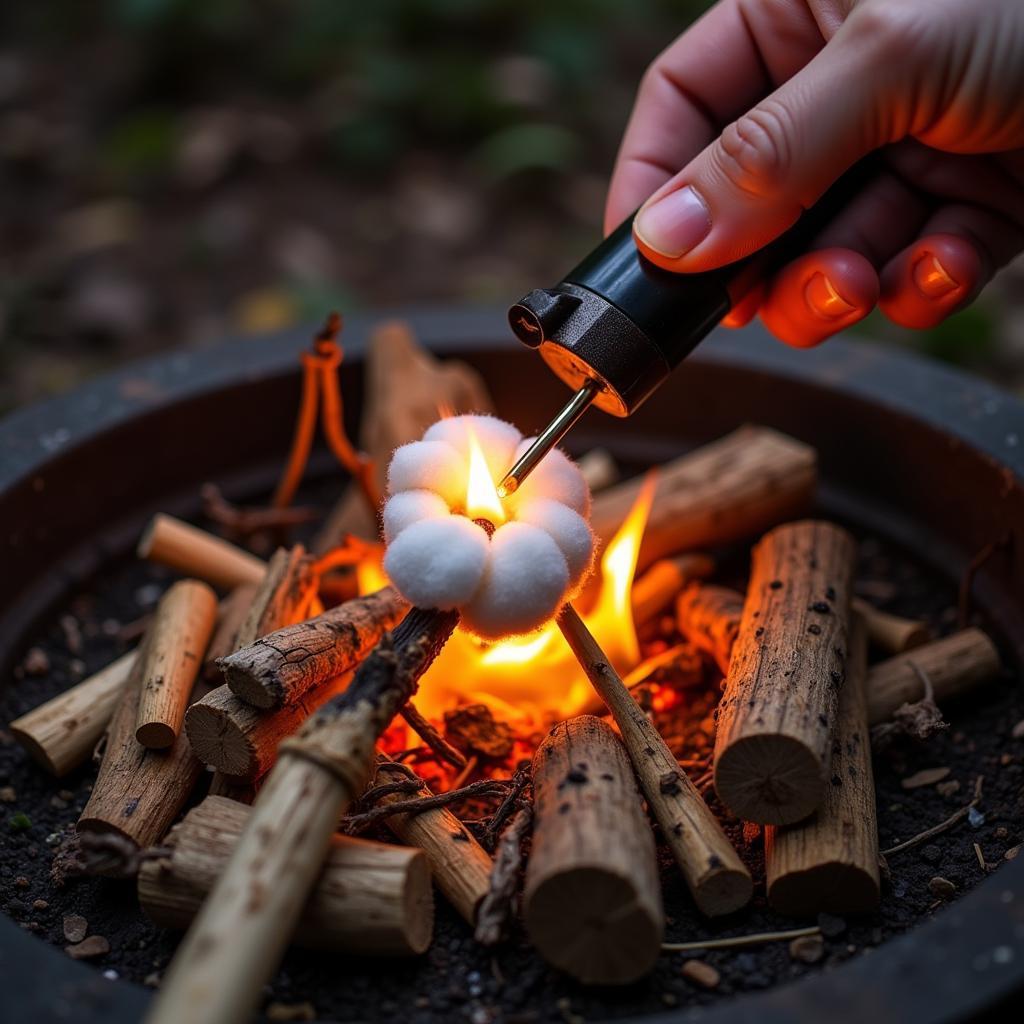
{"points": [[829, 863], [231, 789], [709, 617], [656, 588], [233, 610], [236, 940], [64, 731], [592, 903], [176, 642], [735, 487], [235, 738], [460, 866], [370, 898], [405, 386], [277, 669], [778, 711], [717, 878], [194, 552], [283, 597]]}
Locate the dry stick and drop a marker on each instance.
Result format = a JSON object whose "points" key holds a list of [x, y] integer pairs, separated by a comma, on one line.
{"points": [[592, 902], [659, 585], [242, 741], [232, 789], [241, 523], [412, 806], [891, 633], [709, 617], [496, 907], [63, 732], [194, 552], [599, 469], [404, 386], [943, 826], [233, 610], [284, 596], [176, 643], [245, 923], [277, 669], [459, 864], [739, 941], [735, 487], [830, 862], [778, 711], [370, 898], [433, 739], [716, 876]]}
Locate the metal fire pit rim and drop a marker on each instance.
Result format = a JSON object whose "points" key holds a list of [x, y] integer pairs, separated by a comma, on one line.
{"points": [[965, 959]]}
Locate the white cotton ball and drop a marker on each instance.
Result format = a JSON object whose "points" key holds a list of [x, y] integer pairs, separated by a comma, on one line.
{"points": [[429, 466], [556, 477], [568, 529], [438, 563], [497, 438], [524, 586], [407, 507]]}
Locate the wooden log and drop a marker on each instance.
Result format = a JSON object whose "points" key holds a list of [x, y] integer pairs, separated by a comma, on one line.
{"points": [[656, 588], [829, 863], [138, 792], [709, 617], [405, 388], [284, 596], [64, 731], [233, 610], [717, 878], [370, 898], [778, 710], [592, 902], [599, 469], [460, 866], [240, 740], [231, 789], [278, 668], [176, 641], [891, 633], [194, 552], [234, 943], [953, 665], [735, 487]]}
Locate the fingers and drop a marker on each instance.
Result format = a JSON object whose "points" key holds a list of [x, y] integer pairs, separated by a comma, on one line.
{"points": [[961, 247], [712, 73], [753, 182], [818, 295]]}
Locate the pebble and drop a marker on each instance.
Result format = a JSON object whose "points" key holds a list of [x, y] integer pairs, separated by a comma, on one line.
{"points": [[75, 927], [152, 980], [95, 945], [1011, 853], [831, 926], [925, 777], [942, 888], [949, 787], [808, 949], [1017, 732], [975, 818], [40, 905], [701, 973], [36, 663], [8, 794], [21, 882], [291, 1011]]}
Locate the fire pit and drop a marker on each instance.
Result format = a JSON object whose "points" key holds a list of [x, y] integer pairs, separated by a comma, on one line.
{"points": [[915, 457]]}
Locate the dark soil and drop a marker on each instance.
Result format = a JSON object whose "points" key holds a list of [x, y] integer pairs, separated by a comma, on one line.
{"points": [[457, 978]]}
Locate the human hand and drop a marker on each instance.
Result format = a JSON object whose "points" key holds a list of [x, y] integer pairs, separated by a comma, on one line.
{"points": [[764, 103]]}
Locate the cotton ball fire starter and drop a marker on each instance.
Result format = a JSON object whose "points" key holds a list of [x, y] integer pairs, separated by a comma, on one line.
{"points": [[507, 565]]}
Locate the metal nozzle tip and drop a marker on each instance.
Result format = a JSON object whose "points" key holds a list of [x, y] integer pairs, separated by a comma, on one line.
{"points": [[508, 486]]}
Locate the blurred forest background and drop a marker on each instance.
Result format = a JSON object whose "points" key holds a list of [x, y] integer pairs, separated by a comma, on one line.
{"points": [[174, 171]]}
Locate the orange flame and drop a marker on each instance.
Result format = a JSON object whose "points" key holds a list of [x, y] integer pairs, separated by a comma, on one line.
{"points": [[482, 501]]}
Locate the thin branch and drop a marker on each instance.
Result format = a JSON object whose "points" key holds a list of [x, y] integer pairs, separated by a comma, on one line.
{"points": [[954, 819], [357, 823], [433, 739], [739, 941]]}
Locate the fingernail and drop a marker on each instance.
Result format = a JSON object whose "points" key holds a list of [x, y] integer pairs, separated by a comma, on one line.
{"points": [[823, 299], [931, 277], [675, 224]]}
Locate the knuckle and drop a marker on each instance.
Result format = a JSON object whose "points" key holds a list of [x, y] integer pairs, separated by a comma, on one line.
{"points": [[890, 28], [755, 153]]}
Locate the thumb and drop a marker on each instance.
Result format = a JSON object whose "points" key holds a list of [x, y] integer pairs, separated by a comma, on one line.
{"points": [[755, 180]]}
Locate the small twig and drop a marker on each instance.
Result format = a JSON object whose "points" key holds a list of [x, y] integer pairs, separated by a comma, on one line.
{"points": [[241, 523], [738, 941], [981, 857], [371, 796], [357, 823], [648, 667], [433, 739], [520, 780], [495, 907], [468, 769], [954, 819]]}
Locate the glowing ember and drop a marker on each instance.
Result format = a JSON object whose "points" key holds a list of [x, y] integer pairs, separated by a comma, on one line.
{"points": [[482, 501]]}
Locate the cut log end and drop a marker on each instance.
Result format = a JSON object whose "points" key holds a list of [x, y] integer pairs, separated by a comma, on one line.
{"points": [[36, 751], [772, 779], [723, 890], [245, 687], [216, 739], [833, 888], [156, 735], [418, 900], [595, 925]]}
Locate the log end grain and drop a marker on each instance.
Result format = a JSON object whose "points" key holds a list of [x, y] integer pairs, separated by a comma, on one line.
{"points": [[156, 735], [723, 890], [772, 779], [37, 751], [242, 684], [217, 740], [833, 888], [594, 924]]}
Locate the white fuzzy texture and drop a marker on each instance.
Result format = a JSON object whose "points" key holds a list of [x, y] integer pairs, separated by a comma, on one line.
{"points": [[438, 563], [505, 585], [524, 586], [408, 507]]}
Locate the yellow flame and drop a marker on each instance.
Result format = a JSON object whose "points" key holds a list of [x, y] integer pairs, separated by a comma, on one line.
{"points": [[482, 501]]}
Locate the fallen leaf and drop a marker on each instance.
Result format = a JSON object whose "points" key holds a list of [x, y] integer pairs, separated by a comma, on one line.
{"points": [[925, 777]]}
